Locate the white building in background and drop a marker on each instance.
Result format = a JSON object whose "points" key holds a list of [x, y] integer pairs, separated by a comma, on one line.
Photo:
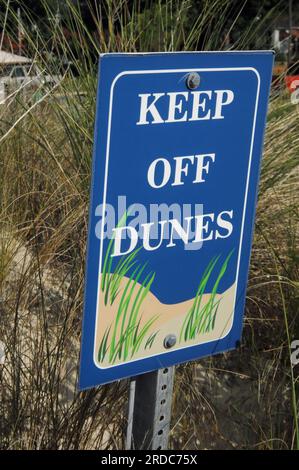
{"points": [[19, 72], [6, 58], [11, 66]]}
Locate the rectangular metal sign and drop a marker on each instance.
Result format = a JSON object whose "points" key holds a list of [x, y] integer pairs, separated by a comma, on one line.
{"points": [[178, 142]]}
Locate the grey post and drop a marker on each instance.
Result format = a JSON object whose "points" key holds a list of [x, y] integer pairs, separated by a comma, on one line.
{"points": [[149, 411]]}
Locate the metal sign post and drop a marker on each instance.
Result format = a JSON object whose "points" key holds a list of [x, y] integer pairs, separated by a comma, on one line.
{"points": [[149, 411]]}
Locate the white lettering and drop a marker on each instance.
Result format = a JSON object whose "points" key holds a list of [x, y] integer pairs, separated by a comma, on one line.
{"points": [[145, 108]]}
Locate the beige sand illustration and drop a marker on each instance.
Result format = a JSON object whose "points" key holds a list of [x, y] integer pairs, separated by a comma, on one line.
{"points": [[133, 324]]}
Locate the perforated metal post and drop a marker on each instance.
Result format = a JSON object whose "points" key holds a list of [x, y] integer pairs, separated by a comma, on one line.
{"points": [[150, 410]]}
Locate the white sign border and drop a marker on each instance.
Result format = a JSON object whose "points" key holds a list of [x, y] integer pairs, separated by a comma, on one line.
{"points": [[142, 72]]}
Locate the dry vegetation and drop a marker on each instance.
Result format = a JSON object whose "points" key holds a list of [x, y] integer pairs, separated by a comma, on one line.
{"points": [[243, 399]]}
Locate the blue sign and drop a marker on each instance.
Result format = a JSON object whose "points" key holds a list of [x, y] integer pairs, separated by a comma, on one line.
{"points": [[178, 142]]}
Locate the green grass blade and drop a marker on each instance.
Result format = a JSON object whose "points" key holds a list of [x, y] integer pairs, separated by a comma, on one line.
{"points": [[142, 334], [103, 345]]}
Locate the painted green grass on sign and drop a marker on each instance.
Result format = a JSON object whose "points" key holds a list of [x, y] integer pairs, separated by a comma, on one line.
{"points": [[124, 286], [201, 319], [126, 334]]}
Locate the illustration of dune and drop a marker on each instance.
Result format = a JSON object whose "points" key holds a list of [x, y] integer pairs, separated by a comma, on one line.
{"points": [[132, 323], [145, 335]]}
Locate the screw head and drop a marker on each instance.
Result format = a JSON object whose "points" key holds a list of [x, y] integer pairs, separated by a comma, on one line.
{"points": [[169, 341], [193, 80]]}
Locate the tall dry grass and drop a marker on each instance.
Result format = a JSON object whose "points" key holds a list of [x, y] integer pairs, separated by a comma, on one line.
{"points": [[243, 399]]}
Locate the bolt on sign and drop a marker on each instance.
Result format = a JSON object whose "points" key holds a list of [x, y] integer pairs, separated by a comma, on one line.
{"points": [[178, 143]]}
